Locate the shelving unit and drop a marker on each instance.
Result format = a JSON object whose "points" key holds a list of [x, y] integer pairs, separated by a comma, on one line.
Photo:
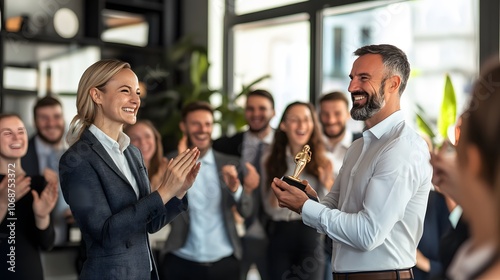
{"points": [[38, 43]]}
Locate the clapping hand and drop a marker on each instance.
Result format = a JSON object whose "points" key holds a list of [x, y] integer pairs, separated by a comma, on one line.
{"points": [[179, 174], [445, 172], [21, 185], [252, 179], [230, 177], [190, 178], [50, 176], [44, 203]]}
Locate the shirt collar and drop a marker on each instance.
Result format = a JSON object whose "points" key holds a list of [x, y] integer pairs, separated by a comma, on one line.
{"points": [[208, 158], [345, 142], [108, 142], [455, 215], [42, 148], [268, 139], [387, 124], [45, 148]]}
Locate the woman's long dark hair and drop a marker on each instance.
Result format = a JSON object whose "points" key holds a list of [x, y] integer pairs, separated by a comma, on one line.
{"points": [[275, 164]]}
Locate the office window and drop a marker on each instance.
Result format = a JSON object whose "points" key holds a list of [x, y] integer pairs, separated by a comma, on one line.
{"points": [[278, 48], [439, 37], [248, 6]]}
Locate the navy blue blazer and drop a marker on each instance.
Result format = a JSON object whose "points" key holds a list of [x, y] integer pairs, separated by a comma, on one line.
{"points": [[30, 161], [113, 222], [232, 145]]}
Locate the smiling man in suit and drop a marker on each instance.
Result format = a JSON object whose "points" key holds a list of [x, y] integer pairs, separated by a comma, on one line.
{"points": [[44, 150], [249, 146], [203, 242]]}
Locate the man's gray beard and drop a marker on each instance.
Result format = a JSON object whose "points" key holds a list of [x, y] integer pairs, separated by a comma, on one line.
{"points": [[372, 106]]}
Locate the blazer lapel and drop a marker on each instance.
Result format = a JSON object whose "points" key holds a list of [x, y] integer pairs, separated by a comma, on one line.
{"points": [[134, 162], [103, 154]]}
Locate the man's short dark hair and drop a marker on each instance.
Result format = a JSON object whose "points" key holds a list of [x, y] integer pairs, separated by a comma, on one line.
{"points": [[46, 101], [195, 106], [262, 93], [334, 96], [394, 59]]}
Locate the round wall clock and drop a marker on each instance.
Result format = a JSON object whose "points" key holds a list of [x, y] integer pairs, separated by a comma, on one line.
{"points": [[66, 23]]}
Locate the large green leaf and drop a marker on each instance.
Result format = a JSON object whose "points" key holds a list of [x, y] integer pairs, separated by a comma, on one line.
{"points": [[198, 69], [448, 114], [424, 126]]}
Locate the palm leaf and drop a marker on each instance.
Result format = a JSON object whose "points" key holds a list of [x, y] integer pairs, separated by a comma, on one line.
{"points": [[448, 113], [424, 127], [245, 89]]}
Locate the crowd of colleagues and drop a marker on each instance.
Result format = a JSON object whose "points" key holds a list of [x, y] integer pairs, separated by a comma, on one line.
{"points": [[377, 204]]}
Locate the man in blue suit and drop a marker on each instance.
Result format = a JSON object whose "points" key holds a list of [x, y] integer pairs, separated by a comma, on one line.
{"points": [[203, 242]]}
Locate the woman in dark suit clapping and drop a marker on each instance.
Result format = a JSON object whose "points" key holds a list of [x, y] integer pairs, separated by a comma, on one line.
{"points": [[104, 179]]}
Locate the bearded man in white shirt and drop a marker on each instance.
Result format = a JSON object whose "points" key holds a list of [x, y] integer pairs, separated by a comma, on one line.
{"points": [[375, 211]]}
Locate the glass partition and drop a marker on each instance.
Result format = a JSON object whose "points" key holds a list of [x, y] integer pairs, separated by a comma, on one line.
{"points": [[439, 37], [279, 49]]}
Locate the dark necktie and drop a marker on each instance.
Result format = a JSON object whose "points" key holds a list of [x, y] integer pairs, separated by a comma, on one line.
{"points": [[256, 197]]}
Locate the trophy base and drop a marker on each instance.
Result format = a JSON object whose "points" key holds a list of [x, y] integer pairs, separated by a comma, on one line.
{"points": [[294, 182], [298, 184]]}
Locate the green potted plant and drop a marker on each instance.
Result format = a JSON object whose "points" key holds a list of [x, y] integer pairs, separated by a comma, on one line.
{"points": [[446, 119], [182, 79]]}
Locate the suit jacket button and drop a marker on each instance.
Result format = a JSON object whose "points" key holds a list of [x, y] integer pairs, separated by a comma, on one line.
{"points": [[129, 243]]}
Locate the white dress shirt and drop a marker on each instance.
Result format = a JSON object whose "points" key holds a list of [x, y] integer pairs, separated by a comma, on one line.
{"points": [[115, 150], [376, 208], [251, 143], [252, 154]]}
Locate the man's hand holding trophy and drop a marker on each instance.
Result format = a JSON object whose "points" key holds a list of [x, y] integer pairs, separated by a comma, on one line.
{"points": [[301, 159]]}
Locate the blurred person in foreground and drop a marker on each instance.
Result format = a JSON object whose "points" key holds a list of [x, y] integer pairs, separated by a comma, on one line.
{"points": [[429, 264], [471, 178]]}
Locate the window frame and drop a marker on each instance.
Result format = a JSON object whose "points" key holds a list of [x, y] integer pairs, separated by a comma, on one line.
{"points": [[489, 36]]}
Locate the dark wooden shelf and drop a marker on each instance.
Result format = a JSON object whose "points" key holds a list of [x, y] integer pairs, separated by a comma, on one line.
{"points": [[134, 6], [126, 47], [40, 38], [19, 92], [26, 50]]}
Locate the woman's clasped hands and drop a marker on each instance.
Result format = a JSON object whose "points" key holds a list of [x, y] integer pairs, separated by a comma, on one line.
{"points": [[179, 174]]}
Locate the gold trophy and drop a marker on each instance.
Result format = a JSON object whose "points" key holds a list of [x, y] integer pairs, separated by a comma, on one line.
{"points": [[301, 159]]}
